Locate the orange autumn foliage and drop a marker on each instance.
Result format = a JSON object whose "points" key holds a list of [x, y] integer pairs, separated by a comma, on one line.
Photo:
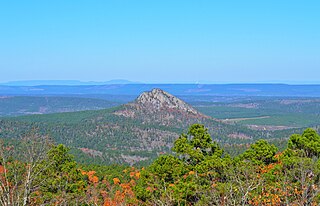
{"points": [[116, 181], [91, 176], [124, 194], [94, 179]]}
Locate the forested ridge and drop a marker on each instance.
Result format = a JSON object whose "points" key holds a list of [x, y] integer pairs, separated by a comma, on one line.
{"points": [[197, 172], [146, 153], [139, 131], [104, 138]]}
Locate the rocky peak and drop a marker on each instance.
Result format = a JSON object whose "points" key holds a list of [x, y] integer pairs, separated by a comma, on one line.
{"points": [[158, 99], [160, 107]]}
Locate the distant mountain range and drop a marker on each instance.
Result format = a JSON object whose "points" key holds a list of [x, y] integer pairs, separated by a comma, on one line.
{"points": [[65, 82], [176, 89]]}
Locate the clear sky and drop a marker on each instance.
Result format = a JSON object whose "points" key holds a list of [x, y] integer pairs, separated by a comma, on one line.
{"points": [[161, 40]]}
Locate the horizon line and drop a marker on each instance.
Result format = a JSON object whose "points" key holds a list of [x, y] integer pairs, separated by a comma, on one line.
{"points": [[128, 82]]}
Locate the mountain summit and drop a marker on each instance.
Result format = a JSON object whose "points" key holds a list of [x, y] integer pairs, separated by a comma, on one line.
{"points": [[161, 107], [158, 100]]}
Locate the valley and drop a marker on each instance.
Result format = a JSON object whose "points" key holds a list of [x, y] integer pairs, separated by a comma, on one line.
{"points": [[137, 132]]}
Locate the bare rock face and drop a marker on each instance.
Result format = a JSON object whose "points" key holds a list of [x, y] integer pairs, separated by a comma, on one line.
{"points": [[160, 107], [158, 100]]}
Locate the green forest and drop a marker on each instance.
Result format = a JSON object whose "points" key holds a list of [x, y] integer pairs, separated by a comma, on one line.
{"points": [[159, 103], [197, 172]]}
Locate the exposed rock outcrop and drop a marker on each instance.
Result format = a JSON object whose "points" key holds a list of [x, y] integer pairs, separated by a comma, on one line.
{"points": [[158, 100], [160, 107]]}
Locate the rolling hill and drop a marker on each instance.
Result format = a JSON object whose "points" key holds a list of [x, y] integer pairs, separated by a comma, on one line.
{"points": [[136, 132]]}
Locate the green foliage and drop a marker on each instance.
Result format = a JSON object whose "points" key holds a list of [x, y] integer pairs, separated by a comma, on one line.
{"points": [[187, 177], [167, 168], [162, 173], [107, 172], [61, 178], [198, 173], [201, 175], [260, 152], [196, 145], [308, 142]]}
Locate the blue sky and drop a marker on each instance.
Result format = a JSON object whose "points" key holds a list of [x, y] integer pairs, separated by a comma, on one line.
{"points": [[161, 41]]}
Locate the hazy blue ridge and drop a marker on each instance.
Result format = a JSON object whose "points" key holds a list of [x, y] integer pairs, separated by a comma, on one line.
{"points": [[176, 89]]}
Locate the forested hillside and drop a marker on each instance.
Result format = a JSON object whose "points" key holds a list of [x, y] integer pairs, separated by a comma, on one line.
{"points": [[198, 172], [135, 133]]}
